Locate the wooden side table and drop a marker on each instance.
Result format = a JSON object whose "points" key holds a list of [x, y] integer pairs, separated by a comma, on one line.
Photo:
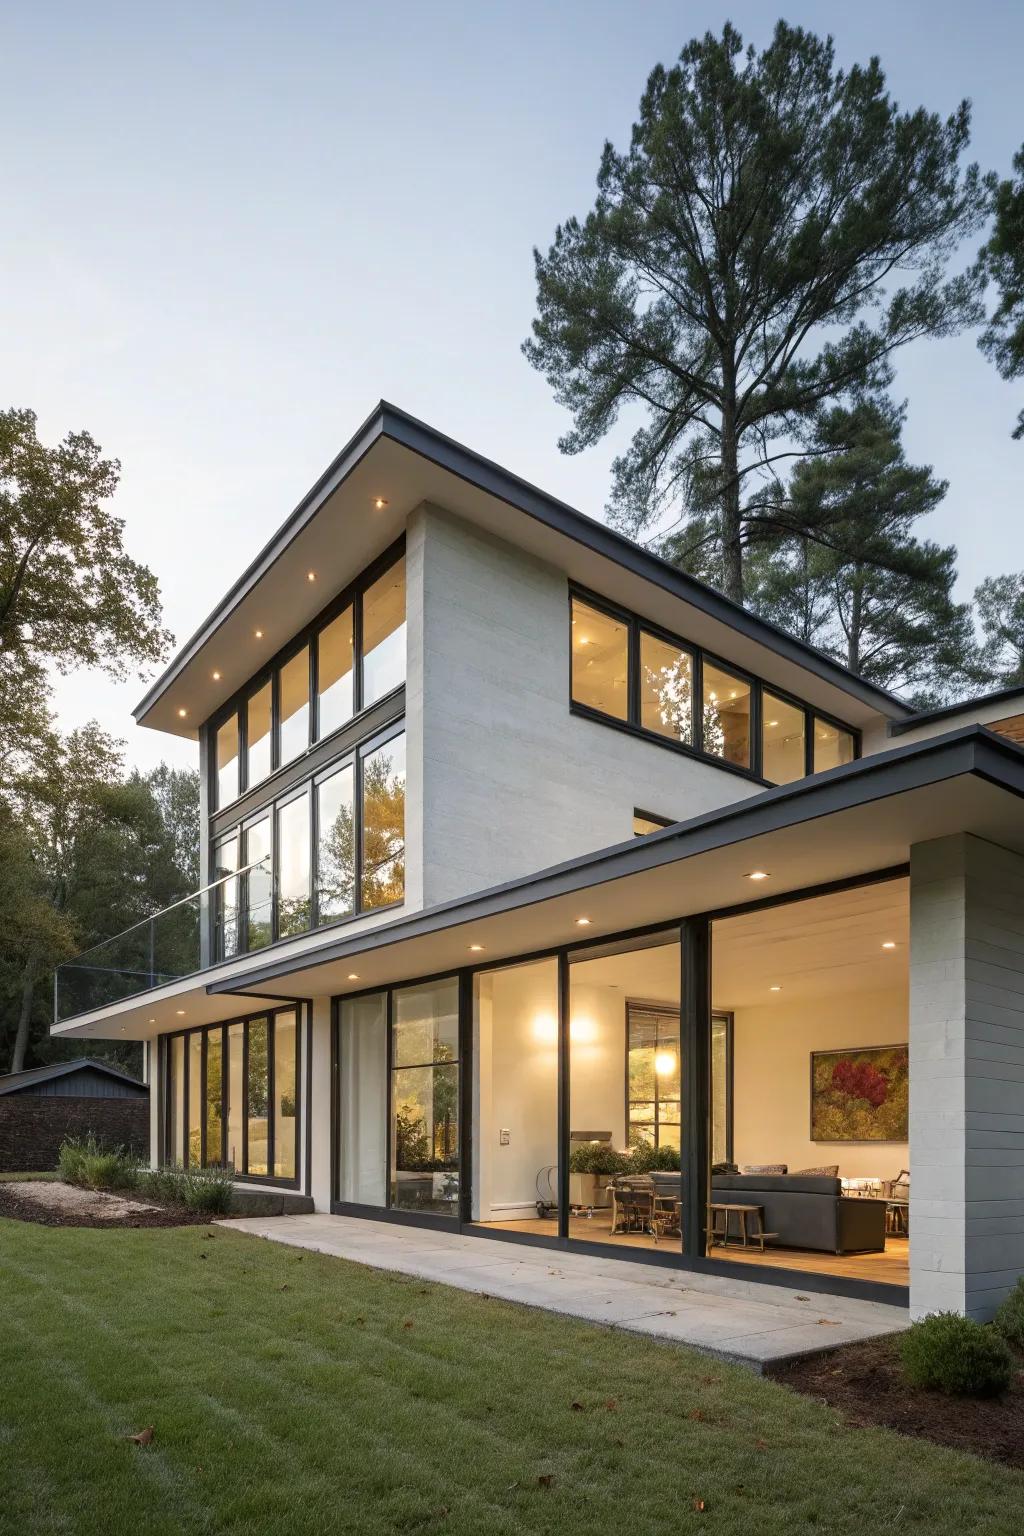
{"points": [[745, 1216]]}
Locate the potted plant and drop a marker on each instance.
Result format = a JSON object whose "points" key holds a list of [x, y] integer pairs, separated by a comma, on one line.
{"points": [[592, 1166]]}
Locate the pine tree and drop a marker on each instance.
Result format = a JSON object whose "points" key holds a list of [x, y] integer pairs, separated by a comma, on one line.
{"points": [[775, 231], [1001, 261]]}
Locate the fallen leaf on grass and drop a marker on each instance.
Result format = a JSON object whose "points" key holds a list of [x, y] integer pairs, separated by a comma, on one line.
{"points": [[407, 1323], [144, 1436], [611, 1404], [695, 1413], [760, 1445], [578, 1408], [546, 1479], [710, 1381], [699, 1505]]}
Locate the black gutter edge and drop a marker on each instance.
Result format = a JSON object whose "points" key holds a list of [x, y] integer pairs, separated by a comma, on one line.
{"points": [[970, 750], [927, 716], [387, 420]]}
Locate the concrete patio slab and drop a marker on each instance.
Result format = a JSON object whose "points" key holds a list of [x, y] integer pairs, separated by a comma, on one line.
{"points": [[739, 1320]]}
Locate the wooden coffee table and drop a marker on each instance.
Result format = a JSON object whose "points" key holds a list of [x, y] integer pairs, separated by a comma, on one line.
{"points": [[745, 1214]]}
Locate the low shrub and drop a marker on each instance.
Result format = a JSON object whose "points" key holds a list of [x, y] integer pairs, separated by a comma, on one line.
{"points": [[1009, 1320], [84, 1161], [647, 1159], [952, 1354], [597, 1157], [198, 1189]]}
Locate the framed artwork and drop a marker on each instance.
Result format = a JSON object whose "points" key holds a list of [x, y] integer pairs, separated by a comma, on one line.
{"points": [[860, 1095]]}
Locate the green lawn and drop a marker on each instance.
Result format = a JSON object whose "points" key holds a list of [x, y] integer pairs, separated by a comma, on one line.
{"points": [[292, 1393]]}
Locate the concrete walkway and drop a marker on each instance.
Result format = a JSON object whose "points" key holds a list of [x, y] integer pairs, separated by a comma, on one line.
{"points": [[740, 1320]]}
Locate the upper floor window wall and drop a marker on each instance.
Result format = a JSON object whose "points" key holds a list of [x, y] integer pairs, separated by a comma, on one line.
{"points": [[353, 657], [631, 674]]}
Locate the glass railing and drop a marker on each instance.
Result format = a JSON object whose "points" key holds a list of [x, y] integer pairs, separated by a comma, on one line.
{"points": [[159, 949]]}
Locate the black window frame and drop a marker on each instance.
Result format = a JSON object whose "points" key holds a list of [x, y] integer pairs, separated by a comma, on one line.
{"points": [[167, 1090], [350, 596], [636, 625]]}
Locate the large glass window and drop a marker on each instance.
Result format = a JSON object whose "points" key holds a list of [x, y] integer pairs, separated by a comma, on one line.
{"points": [[653, 1076], [515, 1091], [383, 636], [258, 884], [225, 898], [257, 1086], [236, 1097], [425, 1098], [666, 689], [214, 1095], [726, 716], [783, 750], [286, 1112], [334, 674], [258, 736], [363, 1089], [195, 1100], [176, 1100], [293, 895], [294, 706], [227, 761], [336, 854], [383, 824], [600, 660], [233, 1095], [649, 682], [832, 746]]}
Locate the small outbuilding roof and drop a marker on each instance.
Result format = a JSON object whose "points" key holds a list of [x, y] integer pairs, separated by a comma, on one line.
{"points": [[15, 1082]]}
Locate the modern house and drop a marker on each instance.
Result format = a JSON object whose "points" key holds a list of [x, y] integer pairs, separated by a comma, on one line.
{"points": [[549, 894]]}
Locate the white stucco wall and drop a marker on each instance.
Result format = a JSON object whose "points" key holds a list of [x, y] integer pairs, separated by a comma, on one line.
{"points": [[511, 782], [966, 1075]]}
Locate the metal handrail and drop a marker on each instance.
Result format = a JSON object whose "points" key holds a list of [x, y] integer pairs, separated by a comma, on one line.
{"points": [[181, 902]]}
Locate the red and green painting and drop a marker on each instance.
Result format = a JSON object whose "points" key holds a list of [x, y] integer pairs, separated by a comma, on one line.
{"points": [[860, 1095]]}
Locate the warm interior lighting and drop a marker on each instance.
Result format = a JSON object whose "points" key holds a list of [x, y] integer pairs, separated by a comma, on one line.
{"points": [[583, 922], [664, 1063], [353, 975], [757, 874], [311, 575], [774, 989], [476, 948], [773, 722], [182, 713], [216, 677], [180, 1012], [889, 944], [379, 503], [259, 634]]}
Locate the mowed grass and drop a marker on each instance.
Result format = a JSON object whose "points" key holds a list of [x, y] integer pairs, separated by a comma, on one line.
{"points": [[293, 1393]]}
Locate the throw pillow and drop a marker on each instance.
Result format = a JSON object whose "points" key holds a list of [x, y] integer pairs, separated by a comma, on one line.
{"points": [[827, 1171], [763, 1168]]}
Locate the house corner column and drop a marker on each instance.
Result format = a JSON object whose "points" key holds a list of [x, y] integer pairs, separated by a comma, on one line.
{"points": [[966, 1075], [318, 1106]]}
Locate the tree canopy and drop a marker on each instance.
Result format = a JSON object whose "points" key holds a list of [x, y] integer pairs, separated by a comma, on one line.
{"points": [[1001, 262], [776, 229]]}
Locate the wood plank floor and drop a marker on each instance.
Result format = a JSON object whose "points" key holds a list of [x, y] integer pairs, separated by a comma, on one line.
{"points": [[890, 1268]]}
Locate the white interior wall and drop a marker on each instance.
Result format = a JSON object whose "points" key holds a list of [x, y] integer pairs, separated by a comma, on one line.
{"points": [[772, 1045]]}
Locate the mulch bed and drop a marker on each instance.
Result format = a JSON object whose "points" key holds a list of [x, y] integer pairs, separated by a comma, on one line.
{"points": [[865, 1382], [23, 1208]]}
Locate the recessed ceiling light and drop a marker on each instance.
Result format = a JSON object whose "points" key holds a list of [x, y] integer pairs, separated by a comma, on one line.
{"points": [[152, 1021], [380, 503], [180, 1012], [772, 722], [757, 874], [476, 948], [583, 922], [311, 575], [182, 713], [774, 989], [259, 634], [889, 944], [216, 677], [353, 975]]}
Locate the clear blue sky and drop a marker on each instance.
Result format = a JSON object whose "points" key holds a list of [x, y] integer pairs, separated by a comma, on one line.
{"points": [[230, 228]]}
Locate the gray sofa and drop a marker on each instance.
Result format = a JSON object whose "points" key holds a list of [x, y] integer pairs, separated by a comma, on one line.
{"points": [[805, 1211]]}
